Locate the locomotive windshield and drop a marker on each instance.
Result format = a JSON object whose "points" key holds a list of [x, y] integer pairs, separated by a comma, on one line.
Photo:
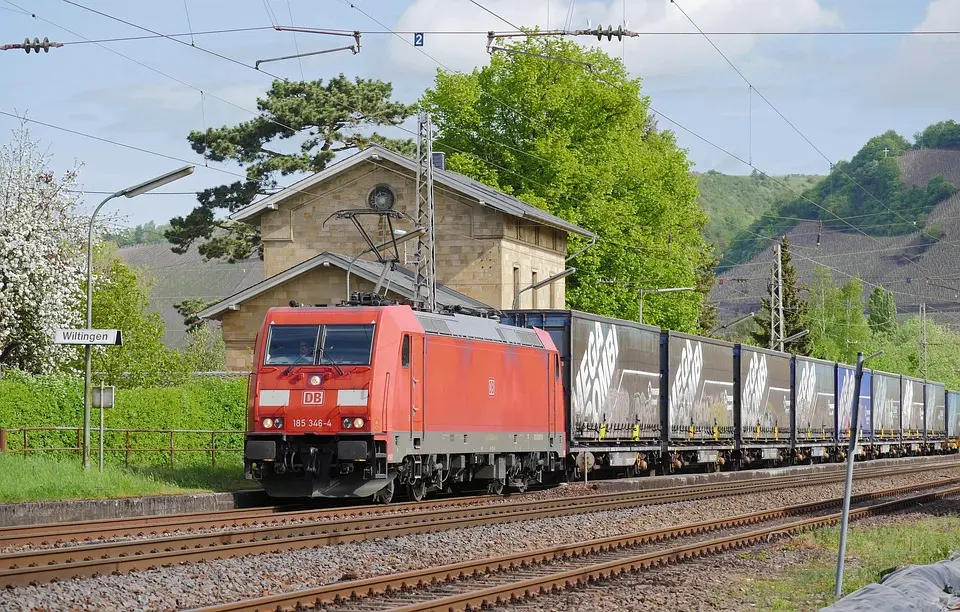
{"points": [[341, 345]]}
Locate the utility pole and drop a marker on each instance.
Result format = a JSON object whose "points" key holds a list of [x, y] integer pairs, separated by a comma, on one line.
{"points": [[773, 302], [923, 317], [426, 243], [776, 300], [780, 292]]}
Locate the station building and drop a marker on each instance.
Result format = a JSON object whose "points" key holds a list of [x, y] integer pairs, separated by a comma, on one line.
{"points": [[489, 245]]}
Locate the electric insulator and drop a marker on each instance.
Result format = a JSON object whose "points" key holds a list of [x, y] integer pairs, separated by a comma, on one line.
{"points": [[36, 45]]}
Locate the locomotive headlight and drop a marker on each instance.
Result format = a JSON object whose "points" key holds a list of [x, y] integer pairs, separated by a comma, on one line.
{"points": [[358, 422], [278, 423], [347, 423], [267, 423], [315, 380]]}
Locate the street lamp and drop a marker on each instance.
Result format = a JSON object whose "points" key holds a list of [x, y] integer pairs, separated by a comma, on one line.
{"points": [[129, 192], [543, 283], [669, 290]]}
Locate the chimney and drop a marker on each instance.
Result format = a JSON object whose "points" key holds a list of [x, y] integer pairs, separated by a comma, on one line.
{"points": [[438, 161]]}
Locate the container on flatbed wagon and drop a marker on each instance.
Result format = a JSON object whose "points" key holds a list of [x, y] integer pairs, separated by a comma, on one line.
{"points": [[814, 401], [611, 377], [886, 406], [953, 416], [911, 406], [934, 411], [762, 384], [697, 385], [844, 383]]}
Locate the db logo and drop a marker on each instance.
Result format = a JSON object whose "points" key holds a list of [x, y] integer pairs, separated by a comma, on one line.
{"points": [[313, 397]]}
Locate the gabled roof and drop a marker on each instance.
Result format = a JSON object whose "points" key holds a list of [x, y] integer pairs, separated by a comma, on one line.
{"points": [[401, 281], [458, 182]]}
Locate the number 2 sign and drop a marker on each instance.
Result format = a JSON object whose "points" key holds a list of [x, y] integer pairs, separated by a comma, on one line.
{"points": [[418, 39]]}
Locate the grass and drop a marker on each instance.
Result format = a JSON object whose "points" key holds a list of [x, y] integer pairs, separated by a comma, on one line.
{"points": [[871, 553], [36, 478]]}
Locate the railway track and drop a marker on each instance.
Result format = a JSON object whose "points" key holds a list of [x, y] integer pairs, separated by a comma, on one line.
{"points": [[499, 580], [43, 565], [149, 526]]}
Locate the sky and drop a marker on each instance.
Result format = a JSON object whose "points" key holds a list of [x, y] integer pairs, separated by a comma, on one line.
{"points": [[836, 90]]}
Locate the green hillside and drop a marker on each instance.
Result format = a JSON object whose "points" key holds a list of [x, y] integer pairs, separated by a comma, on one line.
{"points": [[734, 202], [865, 194]]}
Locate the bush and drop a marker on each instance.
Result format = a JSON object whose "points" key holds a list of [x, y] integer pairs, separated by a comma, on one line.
{"points": [[57, 400]]}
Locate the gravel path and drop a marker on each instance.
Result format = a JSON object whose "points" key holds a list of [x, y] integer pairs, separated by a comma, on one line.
{"points": [[197, 585]]}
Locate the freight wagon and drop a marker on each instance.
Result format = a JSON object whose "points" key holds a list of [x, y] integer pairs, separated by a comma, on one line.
{"points": [[611, 386]]}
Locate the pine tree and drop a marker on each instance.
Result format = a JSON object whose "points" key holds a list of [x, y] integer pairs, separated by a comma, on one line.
{"points": [[794, 310]]}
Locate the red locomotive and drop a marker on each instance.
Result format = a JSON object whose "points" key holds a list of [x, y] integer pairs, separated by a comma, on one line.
{"points": [[358, 401]]}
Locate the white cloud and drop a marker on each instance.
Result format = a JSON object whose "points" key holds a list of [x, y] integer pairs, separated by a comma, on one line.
{"points": [[925, 69], [650, 55]]}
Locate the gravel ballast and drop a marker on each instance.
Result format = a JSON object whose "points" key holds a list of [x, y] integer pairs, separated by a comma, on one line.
{"points": [[196, 585]]}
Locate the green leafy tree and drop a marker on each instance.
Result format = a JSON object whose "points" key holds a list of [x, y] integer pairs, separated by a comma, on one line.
{"points": [[838, 326], [145, 233], [205, 350], [943, 135], [327, 118], [794, 309], [883, 311], [120, 302], [582, 144]]}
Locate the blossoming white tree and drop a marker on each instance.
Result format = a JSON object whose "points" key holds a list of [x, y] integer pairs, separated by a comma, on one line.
{"points": [[42, 242]]}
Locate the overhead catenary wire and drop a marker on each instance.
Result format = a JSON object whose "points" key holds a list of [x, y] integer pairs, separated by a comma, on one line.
{"points": [[176, 40], [784, 117], [485, 32]]}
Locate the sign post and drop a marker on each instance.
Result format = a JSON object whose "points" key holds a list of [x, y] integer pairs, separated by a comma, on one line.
{"points": [[102, 399], [89, 338]]}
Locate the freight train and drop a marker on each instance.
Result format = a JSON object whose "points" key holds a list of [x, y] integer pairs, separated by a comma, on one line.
{"points": [[365, 401]]}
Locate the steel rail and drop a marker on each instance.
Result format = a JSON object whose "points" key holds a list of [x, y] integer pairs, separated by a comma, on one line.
{"points": [[90, 531], [345, 593], [37, 566], [312, 523]]}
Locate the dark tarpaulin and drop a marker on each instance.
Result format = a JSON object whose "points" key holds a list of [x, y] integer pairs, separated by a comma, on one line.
{"points": [[913, 588]]}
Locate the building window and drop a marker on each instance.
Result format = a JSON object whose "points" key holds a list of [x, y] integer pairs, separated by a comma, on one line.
{"points": [[516, 280], [533, 281], [536, 235]]}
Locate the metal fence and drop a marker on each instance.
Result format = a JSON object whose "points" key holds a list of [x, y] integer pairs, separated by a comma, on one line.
{"points": [[16, 440]]}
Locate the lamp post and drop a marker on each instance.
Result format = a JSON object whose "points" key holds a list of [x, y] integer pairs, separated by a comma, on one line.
{"points": [[668, 290], [543, 283], [129, 192]]}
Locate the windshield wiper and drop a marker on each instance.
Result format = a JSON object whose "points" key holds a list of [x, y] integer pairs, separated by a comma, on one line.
{"points": [[289, 368], [332, 362]]}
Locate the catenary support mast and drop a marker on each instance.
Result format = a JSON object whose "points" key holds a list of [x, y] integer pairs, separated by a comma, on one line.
{"points": [[426, 243]]}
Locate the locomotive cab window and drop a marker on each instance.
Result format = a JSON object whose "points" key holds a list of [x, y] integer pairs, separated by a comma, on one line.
{"points": [[347, 344], [405, 352], [291, 344]]}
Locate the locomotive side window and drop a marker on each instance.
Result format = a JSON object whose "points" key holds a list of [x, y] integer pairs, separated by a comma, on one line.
{"points": [[292, 344], [347, 344], [405, 352], [556, 366]]}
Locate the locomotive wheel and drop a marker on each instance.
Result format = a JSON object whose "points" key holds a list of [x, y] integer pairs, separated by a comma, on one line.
{"points": [[496, 487], [384, 495], [417, 490], [521, 485]]}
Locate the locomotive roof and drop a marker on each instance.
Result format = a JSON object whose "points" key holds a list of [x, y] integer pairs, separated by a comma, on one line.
{"points": [[477, 328]]}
